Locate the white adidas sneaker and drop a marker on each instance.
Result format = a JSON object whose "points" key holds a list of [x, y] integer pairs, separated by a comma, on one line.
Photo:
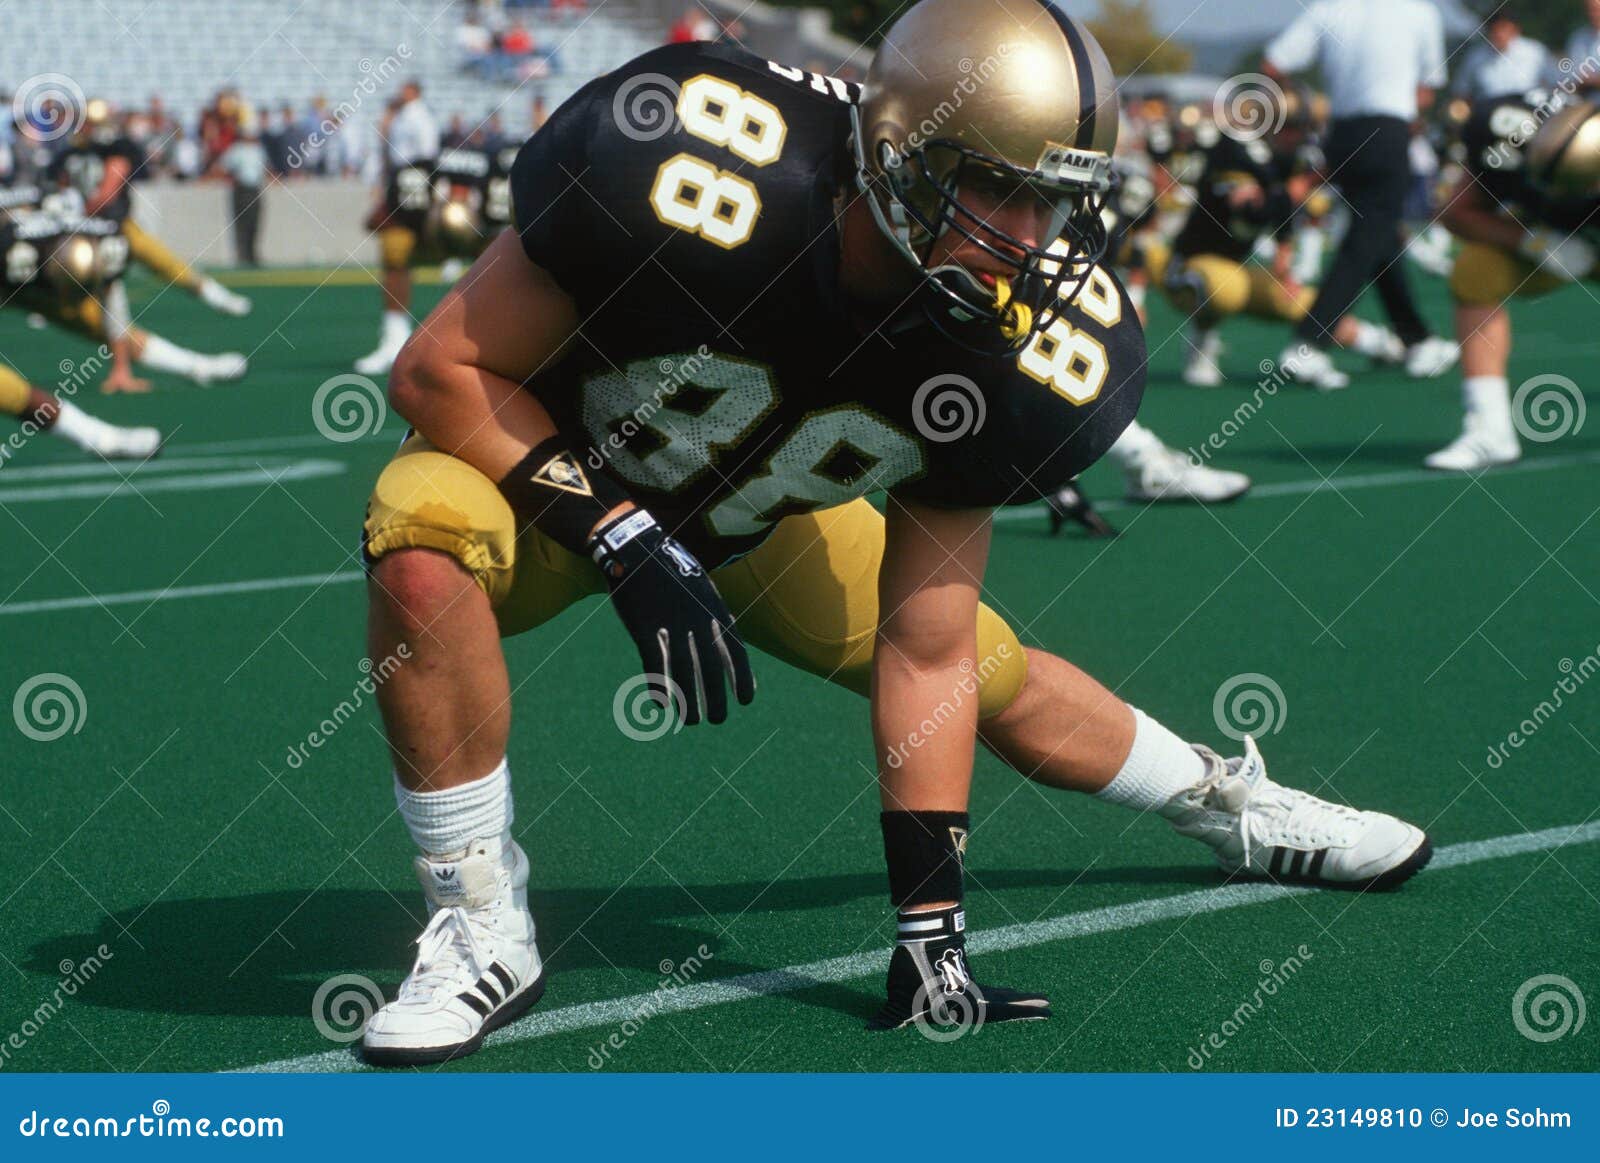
{"points": [[1432, 357], [1312, 367], [224, 367], [1165, 474], [1481, 445], [214, 295], [477, 963], [1260, 828]]}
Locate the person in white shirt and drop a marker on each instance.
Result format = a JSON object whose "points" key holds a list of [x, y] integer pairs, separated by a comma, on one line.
{"points": [[1381, 60], [1582, 59], [410, 137], [1505, 62]]}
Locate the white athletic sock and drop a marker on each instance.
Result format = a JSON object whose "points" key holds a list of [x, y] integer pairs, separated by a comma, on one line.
{"points": [[445, 822], [1375, 341], [1136, 293], [165, 356], [1134, 444], [1488, 397], [1159, 766], [76, 426], [396, 325]]}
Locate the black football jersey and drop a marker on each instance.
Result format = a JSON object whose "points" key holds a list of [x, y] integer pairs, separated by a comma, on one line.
{"points": [[687, 204], [482, 178], [28, 236], [1216, 227], [81, 167], [1493, 137]]}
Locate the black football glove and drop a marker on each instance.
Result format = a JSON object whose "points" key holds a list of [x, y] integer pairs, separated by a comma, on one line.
{"points": [[931, 984], [1069, 504], [687, 644]]}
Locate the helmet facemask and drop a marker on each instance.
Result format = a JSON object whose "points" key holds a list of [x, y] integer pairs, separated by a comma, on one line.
{"points": [[915, 197]]}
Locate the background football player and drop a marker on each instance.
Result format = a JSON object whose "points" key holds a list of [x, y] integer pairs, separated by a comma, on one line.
{"points": [[93, 304], [1251, 189], [30, 406], [97, 165], [411, 145], [1527, 210], [723, 355]]}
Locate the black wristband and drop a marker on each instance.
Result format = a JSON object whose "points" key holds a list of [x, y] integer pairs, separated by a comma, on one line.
{"points": [[924, 851], [551, 490]]}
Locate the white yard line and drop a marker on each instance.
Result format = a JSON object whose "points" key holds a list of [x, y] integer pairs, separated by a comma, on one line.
{"points": [[596, 1014], [1020, 513]]}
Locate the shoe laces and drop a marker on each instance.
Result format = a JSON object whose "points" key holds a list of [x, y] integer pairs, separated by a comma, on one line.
{"points": [[450, 952], [1267, 809]]}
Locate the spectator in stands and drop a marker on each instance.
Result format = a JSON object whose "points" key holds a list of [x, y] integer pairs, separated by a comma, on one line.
{"points": [[694, 24], [1583, 51], [280, 141], [540, 113], [475, 43], [187, 161], [456, 133], [244, 163], [494, 132], [1505, 62]]}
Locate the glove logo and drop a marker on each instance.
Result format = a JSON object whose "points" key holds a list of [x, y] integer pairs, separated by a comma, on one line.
{"points": [[685, 562]]}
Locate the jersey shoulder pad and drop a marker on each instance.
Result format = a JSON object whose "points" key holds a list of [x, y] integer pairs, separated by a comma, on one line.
{"points": [[1037, 419], [676, 159]]}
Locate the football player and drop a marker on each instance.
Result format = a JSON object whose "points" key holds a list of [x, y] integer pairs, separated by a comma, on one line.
{"points": [[1250, 190], [675, 382], [411, 144], [1527, 209], [41, 411], [97, 165], [93, 304]]}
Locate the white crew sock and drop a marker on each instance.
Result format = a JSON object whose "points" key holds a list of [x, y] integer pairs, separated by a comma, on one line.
{"points": [[396, 326], [446, 822], [77, 427], [1487, 397], [165, 356], [1159, 766], [1377, 342], [1134, 445]]}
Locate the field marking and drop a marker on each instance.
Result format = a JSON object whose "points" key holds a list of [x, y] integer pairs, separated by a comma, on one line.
{"points": [[1021, 512], [1113, 918], [172, 593], [158, 476], [1369, 480]]}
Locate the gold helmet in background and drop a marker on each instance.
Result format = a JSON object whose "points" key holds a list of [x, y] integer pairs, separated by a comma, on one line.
{"points": [[72, 266], [1563, 157], [452, 228], [1014, 95]]}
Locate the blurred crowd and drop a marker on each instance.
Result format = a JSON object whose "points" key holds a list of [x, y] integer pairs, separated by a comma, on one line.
{"points": [[296, 141]]}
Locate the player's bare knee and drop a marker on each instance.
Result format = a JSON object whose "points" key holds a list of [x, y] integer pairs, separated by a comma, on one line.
{"points": [[412, 588]]}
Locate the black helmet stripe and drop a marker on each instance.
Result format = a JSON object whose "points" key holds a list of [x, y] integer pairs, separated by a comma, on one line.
{"points": [[1083, 65]]}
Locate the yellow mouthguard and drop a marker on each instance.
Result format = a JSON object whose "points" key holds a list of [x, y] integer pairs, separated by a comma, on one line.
{"points": [[1018, 316]]}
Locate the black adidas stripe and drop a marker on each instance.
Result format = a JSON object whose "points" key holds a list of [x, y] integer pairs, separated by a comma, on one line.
{"points": [[1083, 65], [475, 1002], [486, 987], [1317, 858], [503, 975]]}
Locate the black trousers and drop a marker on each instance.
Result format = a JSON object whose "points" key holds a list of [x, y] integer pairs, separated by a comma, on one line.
{"points": [[1368, 159], [246, 223]]}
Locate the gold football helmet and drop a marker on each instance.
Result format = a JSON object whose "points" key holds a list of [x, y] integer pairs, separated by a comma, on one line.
{"points": [[1014, 95], [1563, 157], [453, 228]]}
